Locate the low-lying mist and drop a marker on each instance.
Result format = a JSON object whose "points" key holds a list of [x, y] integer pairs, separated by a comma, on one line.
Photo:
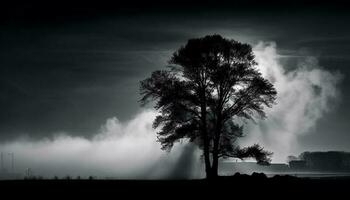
{"points": [[120, 150]]}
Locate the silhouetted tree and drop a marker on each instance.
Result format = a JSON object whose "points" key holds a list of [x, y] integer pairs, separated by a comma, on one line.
{"points": [[210, 82]]}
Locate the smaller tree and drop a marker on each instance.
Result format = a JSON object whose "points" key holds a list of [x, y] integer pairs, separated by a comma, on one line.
{"points": [[228, 147]]}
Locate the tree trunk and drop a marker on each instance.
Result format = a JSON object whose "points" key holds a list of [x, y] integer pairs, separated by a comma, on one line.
{"points": [[208, 168], [206, 143], [215, 165]]}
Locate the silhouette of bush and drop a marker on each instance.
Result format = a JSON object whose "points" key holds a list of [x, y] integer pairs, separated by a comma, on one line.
{"points": [[259, 175]]}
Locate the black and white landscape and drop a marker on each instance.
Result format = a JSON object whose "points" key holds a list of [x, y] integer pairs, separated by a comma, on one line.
{"points": [[240, 87]]}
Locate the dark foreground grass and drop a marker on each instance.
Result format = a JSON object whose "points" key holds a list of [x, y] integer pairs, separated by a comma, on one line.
{"points": [[233, 186]]}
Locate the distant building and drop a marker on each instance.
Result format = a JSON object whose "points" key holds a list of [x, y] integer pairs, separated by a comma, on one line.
{"points": [[327, 161], [297, 164]]}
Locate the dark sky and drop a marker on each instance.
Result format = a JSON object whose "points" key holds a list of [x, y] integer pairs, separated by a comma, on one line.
{"points": [[69, 67]]}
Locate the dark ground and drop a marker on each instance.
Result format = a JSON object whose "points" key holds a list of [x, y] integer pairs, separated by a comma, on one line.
{"points": [[257, 186]]}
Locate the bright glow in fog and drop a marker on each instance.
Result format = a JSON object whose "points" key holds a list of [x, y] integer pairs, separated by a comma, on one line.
{"points": [[304, 95], [130, 150], [119, 150]]}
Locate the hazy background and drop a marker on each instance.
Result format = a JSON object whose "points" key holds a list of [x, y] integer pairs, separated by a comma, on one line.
{"points": [[69, 76]]}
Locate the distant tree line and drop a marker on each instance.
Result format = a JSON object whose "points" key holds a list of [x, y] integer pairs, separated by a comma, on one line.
{"points": [[330, 160]]}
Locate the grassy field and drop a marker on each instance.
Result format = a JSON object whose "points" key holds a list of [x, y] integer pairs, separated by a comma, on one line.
{"points": [[255, 186]]}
